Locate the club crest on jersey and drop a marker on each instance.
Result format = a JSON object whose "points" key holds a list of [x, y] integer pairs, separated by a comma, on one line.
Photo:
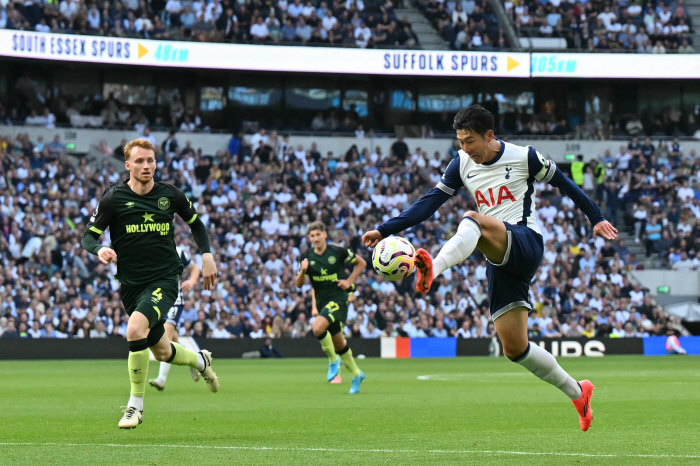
{"points": [[331, 260], [502, 196], [163, 203], [129, 205], [508, 169]]}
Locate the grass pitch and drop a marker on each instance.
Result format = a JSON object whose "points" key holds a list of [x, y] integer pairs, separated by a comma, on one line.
{"points": [[430, 411]]}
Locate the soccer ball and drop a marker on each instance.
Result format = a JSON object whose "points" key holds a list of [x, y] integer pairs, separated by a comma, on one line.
{"points": [[394, 258]]}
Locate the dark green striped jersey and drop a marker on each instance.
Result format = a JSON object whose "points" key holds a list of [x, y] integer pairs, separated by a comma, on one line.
{"points": [[142, 230], [326, 269]]}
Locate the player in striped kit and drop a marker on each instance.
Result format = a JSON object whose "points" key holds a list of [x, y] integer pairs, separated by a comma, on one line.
{"points": [[501, 177], [173, 320]]}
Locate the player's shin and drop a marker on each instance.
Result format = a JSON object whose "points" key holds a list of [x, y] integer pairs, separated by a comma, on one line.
{"points": [[181, 356], [163, 371], [327, 345], [459, 247], [348, 361], [542, 364], [138, 371]]}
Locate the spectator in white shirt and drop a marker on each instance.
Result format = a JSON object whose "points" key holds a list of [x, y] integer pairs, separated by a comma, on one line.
{"points": [[259, 31], [295, 9], [370, 331], [685, 192]]}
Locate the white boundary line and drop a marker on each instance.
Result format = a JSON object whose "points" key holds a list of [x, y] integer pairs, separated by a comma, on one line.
{"points": [[352, 450]]}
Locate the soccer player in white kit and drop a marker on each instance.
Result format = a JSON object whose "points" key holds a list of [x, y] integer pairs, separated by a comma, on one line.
{"points": [[501, 177]]}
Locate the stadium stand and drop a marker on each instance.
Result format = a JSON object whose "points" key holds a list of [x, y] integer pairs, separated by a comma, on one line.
{"points": [[350, 23], [257, 203], [623, 25]]}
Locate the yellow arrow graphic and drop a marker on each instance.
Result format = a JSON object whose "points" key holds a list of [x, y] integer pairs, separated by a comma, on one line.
{"points": [[143, 51], [511, 63]]}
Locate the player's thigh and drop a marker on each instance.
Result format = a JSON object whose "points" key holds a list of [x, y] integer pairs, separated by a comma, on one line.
{"points": [[512, 331], [494, 237], [320, 325], [155, 298], [138, 327], [336, 312]]}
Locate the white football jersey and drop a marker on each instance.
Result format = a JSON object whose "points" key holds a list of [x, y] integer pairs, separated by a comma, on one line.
{"points": [[503, 188]]}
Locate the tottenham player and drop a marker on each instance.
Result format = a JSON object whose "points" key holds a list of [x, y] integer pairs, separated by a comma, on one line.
{"points": [[501, 177], [173, 320]]}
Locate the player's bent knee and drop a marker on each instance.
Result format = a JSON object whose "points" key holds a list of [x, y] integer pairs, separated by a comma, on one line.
{"points": [[471, 214], [513, 351], [135, 333]]}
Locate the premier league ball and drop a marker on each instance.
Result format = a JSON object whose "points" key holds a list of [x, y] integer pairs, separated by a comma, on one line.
{"points": [[394, 258]]}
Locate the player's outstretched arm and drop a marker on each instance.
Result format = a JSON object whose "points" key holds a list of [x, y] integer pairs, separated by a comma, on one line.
{"points": [[419, 212], [547, 171], [601, 227]]}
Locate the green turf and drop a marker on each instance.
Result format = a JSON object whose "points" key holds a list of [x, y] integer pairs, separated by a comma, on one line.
{"points": [[469, 411]]}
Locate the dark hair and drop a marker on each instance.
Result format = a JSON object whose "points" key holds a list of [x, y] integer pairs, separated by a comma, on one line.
{"points": [[474, 118]]}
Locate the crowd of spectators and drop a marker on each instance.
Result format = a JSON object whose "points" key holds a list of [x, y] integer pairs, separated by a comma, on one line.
{"points": [[620, 25], [351, 23], [655, 193], [257, 196], [465, 24]]}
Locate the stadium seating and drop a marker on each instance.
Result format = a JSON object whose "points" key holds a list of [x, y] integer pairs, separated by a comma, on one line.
{"points": [[351, 23], [626, 26], [257, 202]]}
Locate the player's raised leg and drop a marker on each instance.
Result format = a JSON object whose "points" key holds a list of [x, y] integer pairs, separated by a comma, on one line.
{"points": [[512, 330], [475, 230], [159, 382], [320, 329], [174, 353], [345, 353]]}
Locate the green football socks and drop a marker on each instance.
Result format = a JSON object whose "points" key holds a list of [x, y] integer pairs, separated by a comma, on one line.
{"points": [[327, 345], [138, 367], [183, 357], [348, 361]]}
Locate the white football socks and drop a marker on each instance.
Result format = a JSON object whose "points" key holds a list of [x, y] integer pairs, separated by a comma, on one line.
{"points": [[542, 364], [459, 247], [201, 364], [136, 402], [163, 371]]}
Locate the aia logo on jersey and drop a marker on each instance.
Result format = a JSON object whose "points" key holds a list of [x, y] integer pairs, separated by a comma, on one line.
{"points": [[495, 199]]}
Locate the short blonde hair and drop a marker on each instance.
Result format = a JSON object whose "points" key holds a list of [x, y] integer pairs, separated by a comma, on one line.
{"points": [[143, 143]]}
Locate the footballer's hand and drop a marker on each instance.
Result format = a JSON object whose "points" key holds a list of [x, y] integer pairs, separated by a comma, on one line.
{"points": [[187, 285], [344, 284], [314, 312], [107, 255], [305, 265], [371, 238], [208, 270], [605, 230]]}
